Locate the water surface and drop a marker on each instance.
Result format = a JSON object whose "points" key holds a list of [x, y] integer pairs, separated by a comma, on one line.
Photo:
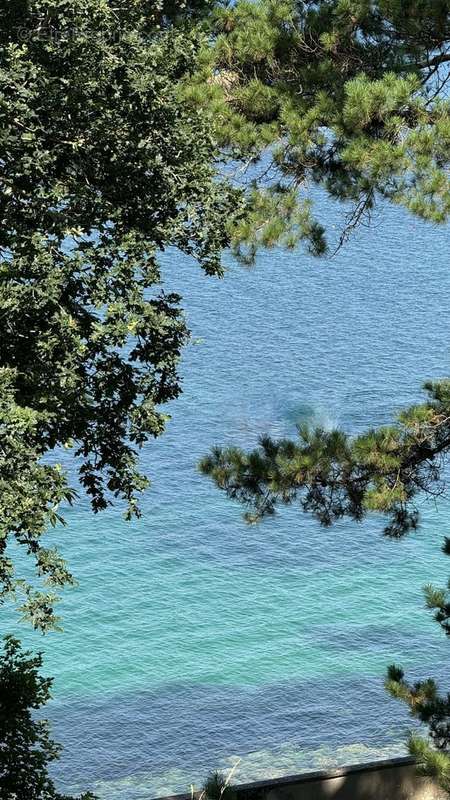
{"points": [[194, 640]]}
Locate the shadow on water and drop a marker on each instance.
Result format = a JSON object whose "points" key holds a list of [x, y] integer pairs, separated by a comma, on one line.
{"points": [[215, 723], [300, 413]]}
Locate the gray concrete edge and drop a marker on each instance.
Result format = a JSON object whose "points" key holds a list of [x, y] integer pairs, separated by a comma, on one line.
{"points": [[308, 777]]}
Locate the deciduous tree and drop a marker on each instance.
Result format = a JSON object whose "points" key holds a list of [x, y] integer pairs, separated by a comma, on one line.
{"points": [[102, 167], [26, 748]]}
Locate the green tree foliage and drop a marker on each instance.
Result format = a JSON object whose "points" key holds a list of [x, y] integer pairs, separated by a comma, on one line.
{"points": [[26, 748], [425, 701], [102, 167], [217, 787], [349, 95], [333, 475]]}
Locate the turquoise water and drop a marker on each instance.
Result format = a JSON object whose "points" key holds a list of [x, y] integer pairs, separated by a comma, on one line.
{"points": [[193, 640]]}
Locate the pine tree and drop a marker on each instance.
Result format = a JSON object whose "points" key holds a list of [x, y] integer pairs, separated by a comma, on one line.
{"points": [[332, 476], [425, 701], [348, 95]]}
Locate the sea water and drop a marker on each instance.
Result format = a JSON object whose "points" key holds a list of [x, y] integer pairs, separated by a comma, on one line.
{"points": [[194, 642]]}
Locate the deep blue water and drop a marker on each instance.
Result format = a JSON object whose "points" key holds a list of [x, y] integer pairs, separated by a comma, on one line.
{"points": [[194, 640]]}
